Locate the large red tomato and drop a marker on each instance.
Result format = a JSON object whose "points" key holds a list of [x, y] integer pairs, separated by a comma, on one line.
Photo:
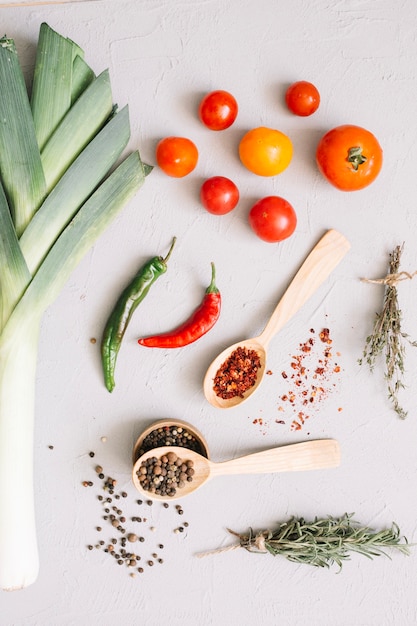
{"points": [[273, 219], [349, 157]]}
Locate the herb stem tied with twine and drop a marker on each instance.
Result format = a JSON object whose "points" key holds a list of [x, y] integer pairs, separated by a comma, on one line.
{"points": [[322, 542], [387, 338]]}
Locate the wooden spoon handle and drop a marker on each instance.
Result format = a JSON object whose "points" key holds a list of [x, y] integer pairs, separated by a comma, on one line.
{"points": [[308, 455], [319, 264]]}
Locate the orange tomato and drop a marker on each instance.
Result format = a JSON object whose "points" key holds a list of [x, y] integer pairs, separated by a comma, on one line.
{"points": [[349, 157], [265, 151], [176, 156]]}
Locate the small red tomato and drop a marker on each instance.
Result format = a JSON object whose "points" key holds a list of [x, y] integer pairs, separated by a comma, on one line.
{"points": [[219, 195], [176, 156], [218, 110], [272, 219], [302, 98]]}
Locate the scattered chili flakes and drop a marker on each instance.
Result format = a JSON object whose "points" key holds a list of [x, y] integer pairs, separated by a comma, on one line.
{"points": [[309, 379], [261, 423], [325, 336], [237, 374]]}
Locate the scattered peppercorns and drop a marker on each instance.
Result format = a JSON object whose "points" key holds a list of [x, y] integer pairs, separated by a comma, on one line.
{"points": [[116, 546]]}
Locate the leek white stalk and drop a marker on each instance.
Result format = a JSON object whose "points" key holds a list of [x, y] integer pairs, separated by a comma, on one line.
{"points": [[53, 207], [19, 559]]}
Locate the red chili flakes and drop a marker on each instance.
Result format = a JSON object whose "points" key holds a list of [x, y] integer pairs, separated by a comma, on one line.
{"points": [[325, 336], [309, 378], [261, 423], [237, 374], [299, 422]]}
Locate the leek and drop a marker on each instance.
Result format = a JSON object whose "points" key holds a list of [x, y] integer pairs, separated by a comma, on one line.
{"points": [[20, 159], [61, 185]]}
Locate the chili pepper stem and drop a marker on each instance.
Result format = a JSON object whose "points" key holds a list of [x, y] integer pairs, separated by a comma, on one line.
{"points": [[212, 286], [170, 250]]}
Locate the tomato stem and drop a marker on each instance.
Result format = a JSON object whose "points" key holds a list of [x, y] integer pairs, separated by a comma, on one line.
{"points": [[356, 157]]}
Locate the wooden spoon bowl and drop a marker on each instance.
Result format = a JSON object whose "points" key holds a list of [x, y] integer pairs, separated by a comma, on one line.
{"points": [[308, 455], [227, 403]]}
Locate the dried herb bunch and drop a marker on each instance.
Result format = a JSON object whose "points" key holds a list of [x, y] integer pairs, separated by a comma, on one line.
{"points": [[323, 542], [388, 339]]}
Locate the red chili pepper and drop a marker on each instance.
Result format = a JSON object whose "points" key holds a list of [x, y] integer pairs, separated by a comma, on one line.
{"points": [[200, 322]]}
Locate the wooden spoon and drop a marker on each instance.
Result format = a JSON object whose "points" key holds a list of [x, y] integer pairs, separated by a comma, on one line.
{"points": [[319, 264], [308, 455]]}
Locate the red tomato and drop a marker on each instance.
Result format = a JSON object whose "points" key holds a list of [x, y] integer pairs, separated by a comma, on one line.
{"points": [[272, 219], [218, 110], [219, 195], [302, 98], [176, 156], [349, 157]]}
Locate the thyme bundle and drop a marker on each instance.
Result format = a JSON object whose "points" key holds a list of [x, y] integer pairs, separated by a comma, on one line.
{"points": [[322, 542], [387, 339]]}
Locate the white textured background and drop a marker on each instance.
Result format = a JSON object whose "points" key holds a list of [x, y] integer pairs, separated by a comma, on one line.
{"points": [[163, 56]]}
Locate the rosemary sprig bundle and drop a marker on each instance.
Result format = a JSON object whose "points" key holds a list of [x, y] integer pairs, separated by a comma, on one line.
{"points": [[322, 542], [387, 339]]}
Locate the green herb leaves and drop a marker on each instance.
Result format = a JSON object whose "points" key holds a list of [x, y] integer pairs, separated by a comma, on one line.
{"points": [[324, 542], [388, 339]]}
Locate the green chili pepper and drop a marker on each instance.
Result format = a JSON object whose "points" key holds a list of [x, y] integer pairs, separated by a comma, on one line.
{"points": [[119, 319]]}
